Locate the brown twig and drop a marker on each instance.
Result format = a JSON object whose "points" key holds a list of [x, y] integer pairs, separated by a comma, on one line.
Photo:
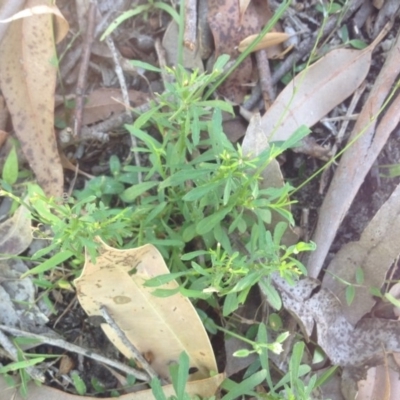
{"points": [[78, 350], [121, 335], [264, 73], [190, 34]]}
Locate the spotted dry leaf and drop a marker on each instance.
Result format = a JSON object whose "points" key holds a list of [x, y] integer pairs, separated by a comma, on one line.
{"points": [[27, 80], [157, 326]]}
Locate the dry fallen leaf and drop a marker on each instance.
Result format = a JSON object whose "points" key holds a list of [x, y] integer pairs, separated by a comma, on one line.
{"points": [[269, 40], [27, 79], [374, 253], [15, 233], [316, 91], [191, 59], [367, 142], [204, 387], [155, 325], [102, 104]]}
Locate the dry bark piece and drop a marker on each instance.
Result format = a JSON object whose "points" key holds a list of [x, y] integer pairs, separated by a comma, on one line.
{"points": [[154, 325]]}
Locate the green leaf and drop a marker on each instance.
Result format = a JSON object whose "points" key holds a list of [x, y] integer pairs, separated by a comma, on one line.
{"points": [[201, 191], [144, 65], [246, 387], [167, 8], [208, 223], [115, 165], [21, 365], [156, 388], [133, 192], [350, 294], [231, 304], [10, 167], [180, 375], [78, 383], [123, 17], [183, 175], [264, 214], [392, 300], [359, 276], [220, 62], [52, 262], [242, 353], [193, 254], [163, 279], [271, 294]]}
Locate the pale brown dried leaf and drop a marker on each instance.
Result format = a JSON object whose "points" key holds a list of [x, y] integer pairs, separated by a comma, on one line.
{"points": [[374, 253], [105, 102], [27, 79], [269, 40], [367, 143], [15, 233], [316, 91], [204, 387], [62, 24], [158, 326]]}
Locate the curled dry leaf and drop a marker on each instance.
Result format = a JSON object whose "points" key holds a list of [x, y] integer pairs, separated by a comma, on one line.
{"points": [[27, 79], [269, 40], [62, 24], [374, 253], [155, 325], [15, 233]]}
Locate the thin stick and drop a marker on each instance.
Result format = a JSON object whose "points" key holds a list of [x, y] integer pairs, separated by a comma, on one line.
{"points": [[138, 356], [264, 72], [125, 97], [13, 353], [79, 350], [80, 86], [190, 34]]}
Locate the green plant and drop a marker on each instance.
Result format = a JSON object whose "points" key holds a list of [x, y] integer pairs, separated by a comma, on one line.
{"points": [[197, 197], [351, 287], [23, 365]]}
